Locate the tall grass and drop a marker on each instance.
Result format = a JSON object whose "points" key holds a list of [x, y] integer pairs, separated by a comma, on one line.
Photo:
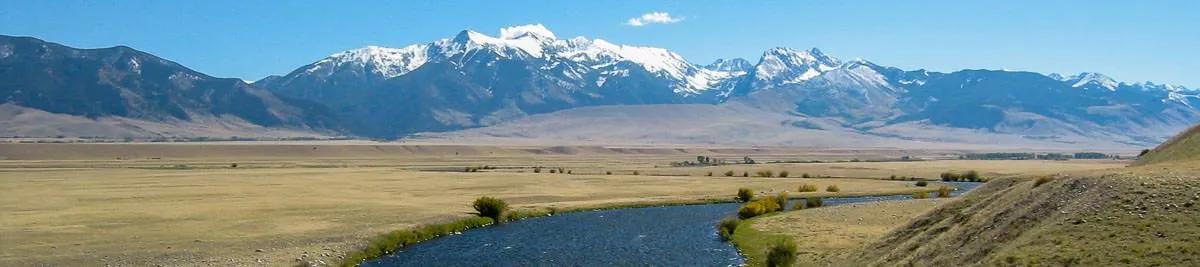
{"points": [[387, 243]]}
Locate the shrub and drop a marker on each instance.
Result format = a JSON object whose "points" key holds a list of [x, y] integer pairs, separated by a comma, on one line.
{"points": [[758, 207], [807, 188], [944, 191], [607, 172], [951, 177], [745, 194], [920, 195], [972, 175], [727, 227], [1042, 180], [783, 174], [745, 174], [709, 174], [769, 173], [833, 188], [537, 170], [729, 173], [922, 183], [813, 202], [750, 210], [233, 165], [805, 175], [798, 206], [782, 253], [893, 177], [637, 173], [552, 170], [570, 172], [782, 200], [490, 207]]}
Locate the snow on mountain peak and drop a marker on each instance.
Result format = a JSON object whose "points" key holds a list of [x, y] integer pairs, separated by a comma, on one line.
{"points": [[1086, 78], [782, 65], [385, 61], [531, 30]]}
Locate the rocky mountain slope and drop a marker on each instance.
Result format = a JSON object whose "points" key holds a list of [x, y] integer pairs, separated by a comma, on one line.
{"points": [[491, 85], [120, 82], [474, 80]]}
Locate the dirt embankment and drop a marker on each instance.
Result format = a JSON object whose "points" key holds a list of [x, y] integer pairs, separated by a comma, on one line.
{"points": [[1139, 216]]}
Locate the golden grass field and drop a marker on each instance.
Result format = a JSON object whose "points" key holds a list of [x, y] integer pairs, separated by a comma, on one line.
{"points": [[184, 204], [828, 236]]}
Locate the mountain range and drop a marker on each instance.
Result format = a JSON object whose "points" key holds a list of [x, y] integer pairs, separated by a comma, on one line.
{"points": [[477, 85]]}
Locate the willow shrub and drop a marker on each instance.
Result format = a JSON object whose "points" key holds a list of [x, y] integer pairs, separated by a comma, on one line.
{"points": [[490, 207], [727, 227]]}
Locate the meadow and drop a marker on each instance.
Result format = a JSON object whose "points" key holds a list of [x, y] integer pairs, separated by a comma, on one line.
{"points": [[279, 204]]}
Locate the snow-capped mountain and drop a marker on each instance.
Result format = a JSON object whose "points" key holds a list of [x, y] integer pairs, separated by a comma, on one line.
{"points": [[475, 79]]}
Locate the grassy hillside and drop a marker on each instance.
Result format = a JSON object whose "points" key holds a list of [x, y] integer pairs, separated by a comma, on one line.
{"points": [[1139, 217], [1182, 147]]}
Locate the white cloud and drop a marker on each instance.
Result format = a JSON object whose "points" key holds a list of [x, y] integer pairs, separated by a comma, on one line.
{"points": [[652, 18]]}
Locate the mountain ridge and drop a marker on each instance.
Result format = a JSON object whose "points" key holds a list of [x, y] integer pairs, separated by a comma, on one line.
{"points": [[473, 80]]}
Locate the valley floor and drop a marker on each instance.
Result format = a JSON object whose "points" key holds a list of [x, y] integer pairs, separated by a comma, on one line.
{"points": [[188, 204]]}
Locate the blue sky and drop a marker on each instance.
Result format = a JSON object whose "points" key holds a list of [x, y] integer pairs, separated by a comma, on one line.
{"points": [[1128, 40]]}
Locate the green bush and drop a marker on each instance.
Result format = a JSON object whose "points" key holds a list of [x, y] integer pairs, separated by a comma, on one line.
{"points": [[729, 173], [1042, 180], [813, 202], [833, 188], [781, 254], [745, 194], [727, 227], [922, 183], [783, 174], [920, 195], [750, 210], [758, 207], [490, 207], [944, 191], [807, 188]]}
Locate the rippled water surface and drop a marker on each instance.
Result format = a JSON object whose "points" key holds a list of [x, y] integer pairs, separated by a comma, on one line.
{"points": [[671, 236]]}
